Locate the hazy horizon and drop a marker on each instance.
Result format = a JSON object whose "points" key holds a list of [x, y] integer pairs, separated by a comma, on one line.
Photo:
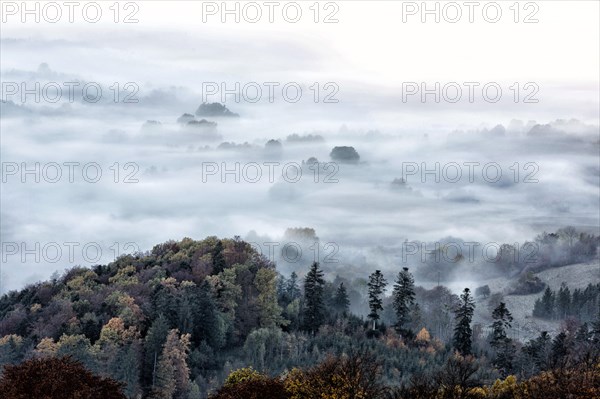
{"points": [[362, 76]]}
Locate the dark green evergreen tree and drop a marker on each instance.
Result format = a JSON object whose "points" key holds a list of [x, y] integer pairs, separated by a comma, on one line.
{"points": [[376, 286], [462, 331], [341, 303], [292, 288], [403, 301], [155, 339], [560, 350], [165, 302], [547, 304], [288, 290], [563, 302], [577, 303], [188, 302], [538, 351], [126, 368], [500, 341], [208, 323], [314, 305]]}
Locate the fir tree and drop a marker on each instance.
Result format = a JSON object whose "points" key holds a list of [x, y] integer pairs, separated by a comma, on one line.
{"points": [[292, 288], [538, 350], [462, 331], [314, 306], [127, 369], [403, 301], [165, 302], [186, 309], [499, 340], [563, 301], [155, 339], [560, 350], [548, 304], [341, 303], [209, 323], [288, 289], [376, 286], [577, 303]]}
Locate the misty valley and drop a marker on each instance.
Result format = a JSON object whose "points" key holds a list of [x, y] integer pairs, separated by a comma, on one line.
{"points": [[290, 200], [298, 315]]}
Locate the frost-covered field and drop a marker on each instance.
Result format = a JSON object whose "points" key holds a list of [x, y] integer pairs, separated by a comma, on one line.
{"points": [[521, 306]]}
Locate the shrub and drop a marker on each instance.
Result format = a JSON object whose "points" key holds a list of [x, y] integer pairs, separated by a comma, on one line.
{"points": [[349, 377], [56, 378], [528, 284], [254, 389]]}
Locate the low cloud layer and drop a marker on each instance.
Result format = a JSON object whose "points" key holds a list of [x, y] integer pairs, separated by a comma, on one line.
{"points": [[167, 186]]}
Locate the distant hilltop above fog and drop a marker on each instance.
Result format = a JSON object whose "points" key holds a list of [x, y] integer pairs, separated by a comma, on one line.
{"points": [[344, 154], [215, 110]]}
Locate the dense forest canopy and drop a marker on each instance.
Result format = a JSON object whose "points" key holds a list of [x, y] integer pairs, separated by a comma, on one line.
{"points": [[176, 321]]}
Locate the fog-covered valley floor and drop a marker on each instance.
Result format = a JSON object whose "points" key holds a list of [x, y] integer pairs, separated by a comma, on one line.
{"points": [[426, 168], [285, 200], [500, 182]]}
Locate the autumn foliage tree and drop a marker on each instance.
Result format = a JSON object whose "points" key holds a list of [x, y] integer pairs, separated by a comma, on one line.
{"points": [[270, 311], [56, 378], [354, 376], [357, 376], [173, 322], [248, 383], [172, 375]]}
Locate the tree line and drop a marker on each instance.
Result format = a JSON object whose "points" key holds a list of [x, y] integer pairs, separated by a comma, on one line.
{"points": [[178, 321], [561, 304]]}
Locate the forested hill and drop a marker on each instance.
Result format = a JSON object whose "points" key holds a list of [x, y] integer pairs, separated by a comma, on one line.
{"points": [[209, 288], [176, 321], [115, 318]]}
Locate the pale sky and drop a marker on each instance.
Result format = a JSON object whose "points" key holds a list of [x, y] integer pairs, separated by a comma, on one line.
{"points": [[370, 41]]}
